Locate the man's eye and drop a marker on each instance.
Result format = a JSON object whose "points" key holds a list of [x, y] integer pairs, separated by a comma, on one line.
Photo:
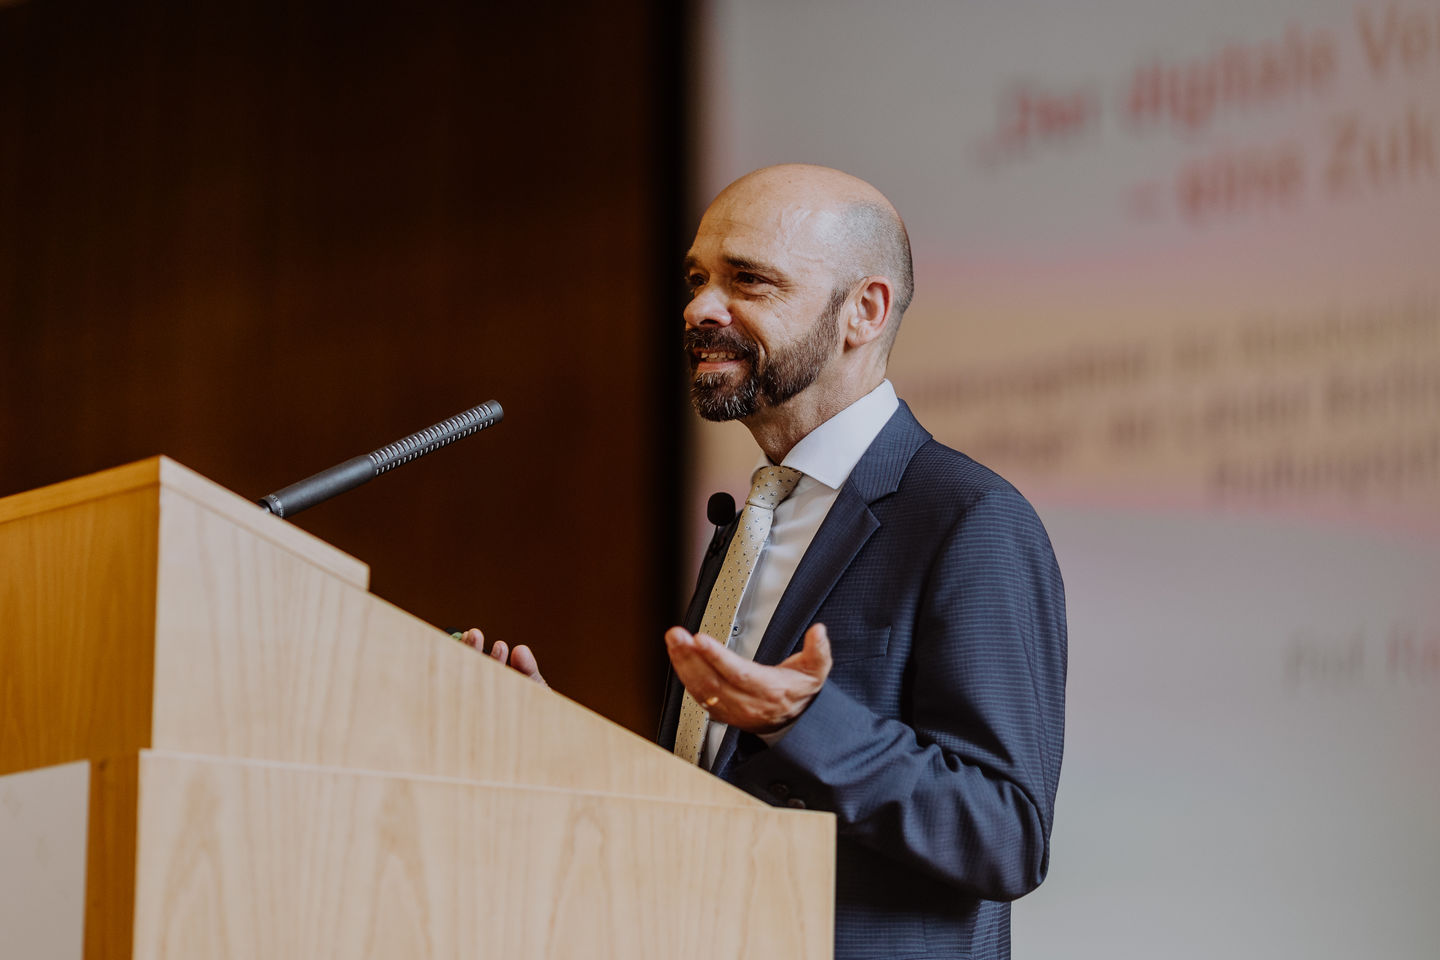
{"points": [[748, 279], [694, 281]]}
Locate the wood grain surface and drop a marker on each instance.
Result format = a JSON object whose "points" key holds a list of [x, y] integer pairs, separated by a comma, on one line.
{"points": [[246, 859], [78, 585], [77, 619], [335, 778], [110, 863], [261, 654], [248, 515]]}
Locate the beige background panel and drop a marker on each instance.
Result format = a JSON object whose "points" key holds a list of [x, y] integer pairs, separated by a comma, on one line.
{"points": [[262, 655], [42, 847], [280, 861]]}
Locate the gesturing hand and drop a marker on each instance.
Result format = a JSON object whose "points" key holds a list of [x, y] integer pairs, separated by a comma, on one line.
{"points": [[521, 658], [745, 694]]}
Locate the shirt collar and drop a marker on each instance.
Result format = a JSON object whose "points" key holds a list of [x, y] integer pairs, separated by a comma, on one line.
{"points": [[830, 451]]}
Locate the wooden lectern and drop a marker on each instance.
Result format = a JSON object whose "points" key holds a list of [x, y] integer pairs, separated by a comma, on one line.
{"points": [[273, 763]]}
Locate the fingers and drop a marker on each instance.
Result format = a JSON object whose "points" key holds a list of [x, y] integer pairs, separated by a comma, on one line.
{"points": [[522, 658], [730, 687], [700, 647], [729, 666], [746, 694], [688, 657]]}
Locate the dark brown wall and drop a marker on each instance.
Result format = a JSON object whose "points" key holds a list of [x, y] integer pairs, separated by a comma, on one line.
{"points": [[262, 238]]}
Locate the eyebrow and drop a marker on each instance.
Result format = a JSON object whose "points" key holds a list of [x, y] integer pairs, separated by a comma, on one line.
{"points": [[734, 262]]}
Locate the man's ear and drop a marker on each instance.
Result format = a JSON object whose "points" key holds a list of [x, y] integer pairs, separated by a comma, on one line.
{"points": [[871, 311]]}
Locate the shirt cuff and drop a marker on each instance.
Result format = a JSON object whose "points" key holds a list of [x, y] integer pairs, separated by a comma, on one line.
{"points": [[775, 736]]}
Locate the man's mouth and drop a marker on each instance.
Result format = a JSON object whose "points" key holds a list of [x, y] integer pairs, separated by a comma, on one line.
{"points": [[713, 360], [714, 352]]}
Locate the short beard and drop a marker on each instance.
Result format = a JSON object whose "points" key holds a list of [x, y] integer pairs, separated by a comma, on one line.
{"points": [[783, 376]]}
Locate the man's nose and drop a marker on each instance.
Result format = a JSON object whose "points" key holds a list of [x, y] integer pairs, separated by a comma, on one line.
{"points": [[707, 308]]}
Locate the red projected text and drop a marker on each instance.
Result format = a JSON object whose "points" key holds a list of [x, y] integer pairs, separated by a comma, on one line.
{"points": [[1369, 155], [1399, 40], [1281, 83], [1190, 93]]}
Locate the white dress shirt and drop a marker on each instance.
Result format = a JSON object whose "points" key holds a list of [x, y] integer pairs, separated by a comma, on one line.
{"points": [[825, 456]]}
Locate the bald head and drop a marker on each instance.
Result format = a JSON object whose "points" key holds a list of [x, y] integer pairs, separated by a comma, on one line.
{"points": [[798, 276], [860, 230]]}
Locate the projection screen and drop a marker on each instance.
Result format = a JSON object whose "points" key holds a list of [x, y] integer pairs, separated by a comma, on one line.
{"points": [[1178, 279]]}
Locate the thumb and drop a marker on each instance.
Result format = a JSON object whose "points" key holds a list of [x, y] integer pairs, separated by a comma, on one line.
{"points": [[815, 655]]}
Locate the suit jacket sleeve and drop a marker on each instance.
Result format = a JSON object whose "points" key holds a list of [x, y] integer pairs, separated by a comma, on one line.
{"points": [[960, 782]]}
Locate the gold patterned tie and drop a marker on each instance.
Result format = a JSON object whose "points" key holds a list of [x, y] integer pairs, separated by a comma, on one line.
{"points": [[768, 487]]}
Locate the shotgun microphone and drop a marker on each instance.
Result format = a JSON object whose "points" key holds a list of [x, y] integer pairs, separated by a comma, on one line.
{"points": [[288, 501]]}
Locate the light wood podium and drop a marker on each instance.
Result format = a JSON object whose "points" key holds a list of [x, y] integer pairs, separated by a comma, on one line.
{"points": [[277, 764]]}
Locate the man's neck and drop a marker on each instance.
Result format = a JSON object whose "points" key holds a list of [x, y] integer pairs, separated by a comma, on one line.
{"points": [[777, 429]]}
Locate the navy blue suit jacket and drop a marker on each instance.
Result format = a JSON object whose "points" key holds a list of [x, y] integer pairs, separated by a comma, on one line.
{"points": [[936, 740]]}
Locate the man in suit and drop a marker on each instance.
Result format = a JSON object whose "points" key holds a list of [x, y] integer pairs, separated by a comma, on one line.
{"points": [[896, 654]]}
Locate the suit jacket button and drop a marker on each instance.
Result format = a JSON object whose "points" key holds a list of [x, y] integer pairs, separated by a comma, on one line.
{"points": [[795, 802], [779, 790]]}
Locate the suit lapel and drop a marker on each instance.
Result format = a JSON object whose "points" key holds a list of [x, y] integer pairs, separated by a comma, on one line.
{"points": [[846, 528]]}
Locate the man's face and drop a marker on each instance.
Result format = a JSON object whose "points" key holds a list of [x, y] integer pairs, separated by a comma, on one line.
{"points": [[764, 318], [738, 380]]}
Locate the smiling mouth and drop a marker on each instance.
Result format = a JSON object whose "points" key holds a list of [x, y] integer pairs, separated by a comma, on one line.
{"points": [[718, 352]]}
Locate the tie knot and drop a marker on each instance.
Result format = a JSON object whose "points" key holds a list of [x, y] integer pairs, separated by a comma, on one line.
{"points": [[770, 485]]}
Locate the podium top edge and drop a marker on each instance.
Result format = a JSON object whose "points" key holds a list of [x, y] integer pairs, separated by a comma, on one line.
{"points": [[92, 486], [161, 471]]}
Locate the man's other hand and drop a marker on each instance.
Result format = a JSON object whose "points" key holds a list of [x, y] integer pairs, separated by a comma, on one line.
{"points": [[521, 658], [745, 694]]}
